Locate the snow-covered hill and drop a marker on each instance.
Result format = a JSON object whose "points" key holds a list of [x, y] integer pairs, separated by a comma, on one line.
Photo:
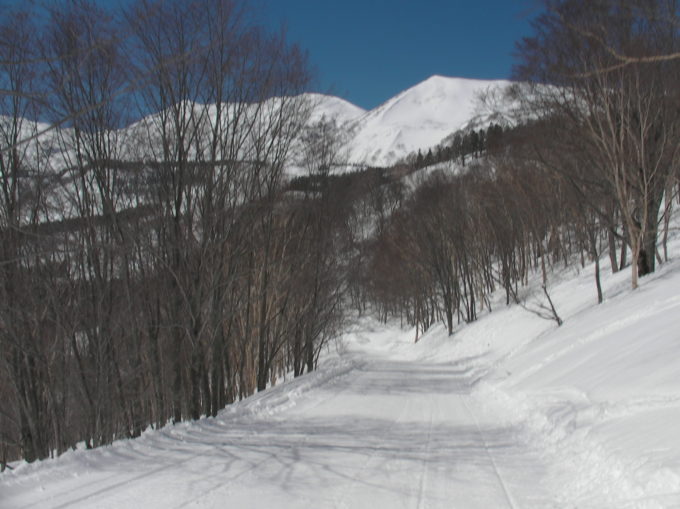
{"points": [[330, 107], [418, 118]]}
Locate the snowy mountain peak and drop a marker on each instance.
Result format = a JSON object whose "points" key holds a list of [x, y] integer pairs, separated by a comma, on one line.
{"points": [[329, 106], [420, 117]]}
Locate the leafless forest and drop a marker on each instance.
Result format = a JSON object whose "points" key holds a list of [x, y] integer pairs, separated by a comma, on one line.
{"points": [[157, 264]]}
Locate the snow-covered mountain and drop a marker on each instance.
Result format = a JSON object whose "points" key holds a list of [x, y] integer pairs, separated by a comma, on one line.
{"points": [[417, 118], [331, 107]]}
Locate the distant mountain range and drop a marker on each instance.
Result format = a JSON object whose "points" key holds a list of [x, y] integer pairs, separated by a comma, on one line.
{"points": [[417, 118]]}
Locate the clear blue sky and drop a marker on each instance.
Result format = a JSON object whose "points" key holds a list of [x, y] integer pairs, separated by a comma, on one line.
{"points": [[366, 51]]}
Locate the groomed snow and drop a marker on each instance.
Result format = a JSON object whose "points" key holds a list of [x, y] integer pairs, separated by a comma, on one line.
{"points": [[511, 411]]}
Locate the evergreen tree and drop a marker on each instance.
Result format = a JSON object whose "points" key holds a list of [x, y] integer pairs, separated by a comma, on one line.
{"points": [[429, 158], [419, 159]]}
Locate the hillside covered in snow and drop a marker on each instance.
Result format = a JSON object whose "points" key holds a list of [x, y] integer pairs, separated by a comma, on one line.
{"points": [[418, 119]]}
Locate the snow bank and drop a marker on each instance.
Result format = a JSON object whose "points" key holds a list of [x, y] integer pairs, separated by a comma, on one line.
{"points": [[287, 395]]}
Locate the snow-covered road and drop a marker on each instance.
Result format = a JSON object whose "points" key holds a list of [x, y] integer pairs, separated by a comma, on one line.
{"points": [[379, 433], [389, 434]]}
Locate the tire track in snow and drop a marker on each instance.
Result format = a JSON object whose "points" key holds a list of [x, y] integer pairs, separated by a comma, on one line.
{"points": [[95, 489], [231, 480], [118, 482], [501, 481], [424, 468], [340, 502]]}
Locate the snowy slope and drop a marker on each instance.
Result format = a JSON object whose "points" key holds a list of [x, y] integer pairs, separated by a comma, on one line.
{"points": [[331, 107], [417, 118], [325, 108]]}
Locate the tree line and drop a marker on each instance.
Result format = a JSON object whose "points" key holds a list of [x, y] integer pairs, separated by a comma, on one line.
{"points": [[461, 147]]}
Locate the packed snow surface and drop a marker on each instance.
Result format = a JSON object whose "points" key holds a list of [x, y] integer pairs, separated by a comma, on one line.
{"points": [[511, 411]]}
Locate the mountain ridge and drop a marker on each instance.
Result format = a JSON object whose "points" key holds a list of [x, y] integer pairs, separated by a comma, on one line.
{"points": [[415, 119]]}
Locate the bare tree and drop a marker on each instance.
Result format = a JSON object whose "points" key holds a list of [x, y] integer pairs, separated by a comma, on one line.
{"points": [[623, 114], [147, 271], [26, 373], [85, 67]]}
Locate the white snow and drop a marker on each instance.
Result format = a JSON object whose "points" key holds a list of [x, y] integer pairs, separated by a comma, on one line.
{"points": [[511, 411], [331, 107], [418, 118], [598, 398]]}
